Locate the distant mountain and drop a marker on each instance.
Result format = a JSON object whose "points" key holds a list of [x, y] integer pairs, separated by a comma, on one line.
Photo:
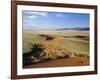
{"points": [[79, 29]]}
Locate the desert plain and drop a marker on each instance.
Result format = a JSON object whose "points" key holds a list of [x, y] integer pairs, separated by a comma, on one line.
{"points": [[55, 48]]}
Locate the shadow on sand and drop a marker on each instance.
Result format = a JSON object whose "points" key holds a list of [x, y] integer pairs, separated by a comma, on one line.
{"points": [[30, 57]]}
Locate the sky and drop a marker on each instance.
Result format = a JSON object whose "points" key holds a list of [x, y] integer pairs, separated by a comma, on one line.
{"points": [[36, 20]]}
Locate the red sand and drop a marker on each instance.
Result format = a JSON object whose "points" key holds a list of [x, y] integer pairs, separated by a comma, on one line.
{"points": [[74, 61]]}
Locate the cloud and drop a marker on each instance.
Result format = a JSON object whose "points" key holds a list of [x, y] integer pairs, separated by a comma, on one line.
{"points": [[59, 15], [25, 20], [40, 13], [40, 24], [34, 14]]}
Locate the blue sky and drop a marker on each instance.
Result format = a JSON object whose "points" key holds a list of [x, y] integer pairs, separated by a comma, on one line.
{"points": [[35, 20]]}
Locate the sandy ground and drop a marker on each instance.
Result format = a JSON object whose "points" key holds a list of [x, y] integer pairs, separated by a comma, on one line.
{"points": [[65, 62], [63, 40]]}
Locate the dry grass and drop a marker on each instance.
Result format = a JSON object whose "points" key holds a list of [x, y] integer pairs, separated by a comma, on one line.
{"points": [[61, 44]]}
